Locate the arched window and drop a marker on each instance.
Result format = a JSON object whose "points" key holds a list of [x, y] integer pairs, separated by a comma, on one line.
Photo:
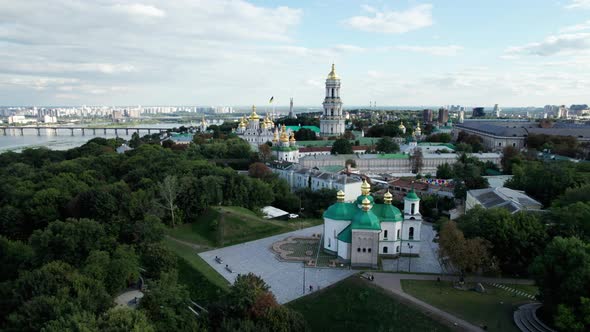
{"points": [[385, 234], [413, 207], [397, 249], [369, 250], [329, 242], [399, 231], [384, 250], [411, 235], [358, 249], [364, 249]]}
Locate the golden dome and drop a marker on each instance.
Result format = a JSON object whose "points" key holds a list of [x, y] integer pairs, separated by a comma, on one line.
{"points": [[366, 204], [401, 125], [254, 116], [388, 197], [340, 196], [365, 188], [292, 138], [275, 138], [332, 75], [242, 123], [284, 136]]}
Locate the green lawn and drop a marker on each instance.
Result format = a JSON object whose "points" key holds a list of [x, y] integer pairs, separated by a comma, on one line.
{"points": [[204, 283], [493, 308], [356, 305], [239, 225]]}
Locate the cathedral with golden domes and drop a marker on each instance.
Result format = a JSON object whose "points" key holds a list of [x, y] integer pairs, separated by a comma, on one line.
{"points": [[360, 231], [256, 130]]}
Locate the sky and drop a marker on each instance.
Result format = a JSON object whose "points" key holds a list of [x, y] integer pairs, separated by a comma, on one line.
{"points": [[237, 52]]}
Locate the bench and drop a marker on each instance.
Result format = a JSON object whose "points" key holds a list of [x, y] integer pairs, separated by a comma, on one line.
{"points": [[218, 260]]}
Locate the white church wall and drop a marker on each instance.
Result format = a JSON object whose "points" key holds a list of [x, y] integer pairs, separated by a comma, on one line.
{"points": [[344, 250], [331, 230]]}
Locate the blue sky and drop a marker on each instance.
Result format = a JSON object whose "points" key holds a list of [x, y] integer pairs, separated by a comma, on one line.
{"points": [[236, 52]]}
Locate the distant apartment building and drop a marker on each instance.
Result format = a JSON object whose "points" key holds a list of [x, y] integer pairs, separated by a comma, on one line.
{"points": [[427, 116], [443, 116]]}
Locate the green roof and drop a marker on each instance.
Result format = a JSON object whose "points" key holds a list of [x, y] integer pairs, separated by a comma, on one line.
{"points": [[284, 148], [387, 212], [315, 143], [412, 196], [365, 220], [312, 128], [340, 211], [393, 156], [331, 169], [448, 145], [345, 235]]}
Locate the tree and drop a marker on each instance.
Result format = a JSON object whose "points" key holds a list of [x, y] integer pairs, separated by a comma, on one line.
{"points": [[562, 273], [135, 141], [157, 259], [348, 135], [417, 160], [510, 156], [265, 152], [540, 181], [516, 239], [168, 190], [123, 320], [341, 146], [387, 145], [444, 171], [467, 255], [259, 171], [441, 137], [305, 134], [572, 220], [166, 304]]}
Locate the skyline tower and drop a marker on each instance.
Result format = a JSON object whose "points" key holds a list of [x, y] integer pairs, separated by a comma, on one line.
{"points": [[332, 121]]}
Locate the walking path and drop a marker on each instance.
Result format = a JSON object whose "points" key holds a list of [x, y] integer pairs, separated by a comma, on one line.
{"points": [[186, 243], [392, 283]]}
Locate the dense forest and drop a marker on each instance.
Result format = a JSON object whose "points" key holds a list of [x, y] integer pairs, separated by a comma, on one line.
{"points": [[77, 227]]}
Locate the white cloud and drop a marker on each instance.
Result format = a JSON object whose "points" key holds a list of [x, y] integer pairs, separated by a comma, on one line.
{"points": [[562, 44], [448, 50], [139, 9], [578, 27], [582, 4], [394, 22]]}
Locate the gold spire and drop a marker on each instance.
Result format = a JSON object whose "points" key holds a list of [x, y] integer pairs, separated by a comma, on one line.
{"points": [[332, 75], [254, 116], [340, 196], [276, 137], [365, 188], [366, 204], [284, 136], [388, 197]]}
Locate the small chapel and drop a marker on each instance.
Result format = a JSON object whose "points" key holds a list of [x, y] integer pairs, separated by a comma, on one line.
{"points": [[359, 232]]}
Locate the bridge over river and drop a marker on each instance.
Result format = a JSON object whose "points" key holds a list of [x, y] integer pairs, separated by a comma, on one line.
{"points": [[82, 130]]}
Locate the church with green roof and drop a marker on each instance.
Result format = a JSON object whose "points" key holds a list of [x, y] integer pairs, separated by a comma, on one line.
{"points": [[360, 231]]}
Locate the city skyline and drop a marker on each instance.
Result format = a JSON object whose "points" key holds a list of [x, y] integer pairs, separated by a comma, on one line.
{"points": [[242, 52]]}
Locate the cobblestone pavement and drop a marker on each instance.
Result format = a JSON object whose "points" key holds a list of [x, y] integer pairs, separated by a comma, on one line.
{"points": [[427, 262], [284, 278]]}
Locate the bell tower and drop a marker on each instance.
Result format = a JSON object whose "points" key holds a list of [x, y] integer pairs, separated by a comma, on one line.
{"points": [[332, 121]]}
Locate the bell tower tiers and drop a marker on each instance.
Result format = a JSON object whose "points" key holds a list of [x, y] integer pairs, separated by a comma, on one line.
{"points": [[332, 121]]}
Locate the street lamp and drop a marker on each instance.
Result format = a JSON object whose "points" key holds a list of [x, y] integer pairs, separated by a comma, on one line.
{"points": [[410, 258]]}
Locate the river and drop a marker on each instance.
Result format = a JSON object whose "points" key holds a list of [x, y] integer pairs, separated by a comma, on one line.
{"points": [[13, 141]]}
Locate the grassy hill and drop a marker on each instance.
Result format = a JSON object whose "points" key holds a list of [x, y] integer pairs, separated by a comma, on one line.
{"points": [[212, 230], [237, 225], [356, 305]]}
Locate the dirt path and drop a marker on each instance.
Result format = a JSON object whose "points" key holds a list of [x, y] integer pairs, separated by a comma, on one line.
{"points": [[195, 246]]}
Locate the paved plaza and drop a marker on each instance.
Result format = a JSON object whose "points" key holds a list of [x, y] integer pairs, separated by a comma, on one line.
{"points": [[427, 262], [284, 278]]}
